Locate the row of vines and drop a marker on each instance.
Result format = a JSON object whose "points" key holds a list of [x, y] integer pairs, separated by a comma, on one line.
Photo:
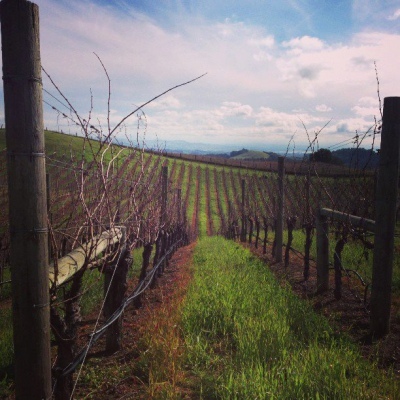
{"points": [[211, 196], [124, 187]]}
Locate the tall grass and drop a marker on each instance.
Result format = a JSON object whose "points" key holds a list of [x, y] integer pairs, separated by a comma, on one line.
{"points": [[247, 338]]}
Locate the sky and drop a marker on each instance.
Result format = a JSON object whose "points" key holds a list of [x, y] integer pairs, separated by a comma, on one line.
{"points": [[277, 71]]}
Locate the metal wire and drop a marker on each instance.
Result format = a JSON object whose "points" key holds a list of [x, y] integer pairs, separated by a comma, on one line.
{"points": [[140, 288]]}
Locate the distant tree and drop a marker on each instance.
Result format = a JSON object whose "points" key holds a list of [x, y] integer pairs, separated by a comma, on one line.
{"points": [[238, 153], [325, 156]]}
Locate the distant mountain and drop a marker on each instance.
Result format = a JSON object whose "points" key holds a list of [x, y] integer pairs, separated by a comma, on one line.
{"points": [[357, 158], [181, 146], [209, 149], [253, 155], [245, 154]]}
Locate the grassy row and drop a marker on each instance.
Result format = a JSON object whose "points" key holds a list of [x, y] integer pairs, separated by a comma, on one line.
{"points": [[247, 338]]}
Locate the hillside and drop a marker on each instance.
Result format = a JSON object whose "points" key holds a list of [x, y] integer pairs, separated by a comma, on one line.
{"points": [[251, 155], [246, 155], [357, 158], [55, 142]]}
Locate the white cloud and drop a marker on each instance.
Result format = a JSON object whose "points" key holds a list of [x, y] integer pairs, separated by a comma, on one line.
{"points": [[323, 108], [166, 102], [287, 121], [267, 42], [236, 109], [395, 15], [367, 107], [303, 44], [263, 78]]}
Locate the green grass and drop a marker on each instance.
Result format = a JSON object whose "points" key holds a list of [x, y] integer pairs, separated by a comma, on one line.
{"points": [[60, 144], [247, 338]]}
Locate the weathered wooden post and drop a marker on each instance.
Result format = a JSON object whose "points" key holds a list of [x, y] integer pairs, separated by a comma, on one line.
{"points": [[49, 215], [157, 255], [243, 217], [307, 247], [250, 219], [265, 221], [257, 230], [385, 219], [27, 198], [179, 205], [308, 226], [338, 266], [322, 252], [279, 218], [291, 224], [115, 285], [164, 191]]}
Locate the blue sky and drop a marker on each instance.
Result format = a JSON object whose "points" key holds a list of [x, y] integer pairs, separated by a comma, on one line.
{"points": [[285, 19], [274, 68]]}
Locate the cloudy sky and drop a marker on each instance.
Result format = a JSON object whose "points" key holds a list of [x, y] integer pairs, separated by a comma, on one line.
{"points": [[275, 68]]}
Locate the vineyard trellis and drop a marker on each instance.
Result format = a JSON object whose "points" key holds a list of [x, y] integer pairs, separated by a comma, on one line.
{"points": [[302, 194], [107, 187], [353, 195], [88, 194], [150, 224]]}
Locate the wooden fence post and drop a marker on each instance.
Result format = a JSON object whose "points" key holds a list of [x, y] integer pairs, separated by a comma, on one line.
{"points": [[164, 192], [338, 266], [49, 215], [179, 205], [291, 224], [243, 227], [257, 231], [265, 223], [385, 219], [279, 220], [250, 219], [322, 252], [115, 285], [27, 198], [308, 226]]}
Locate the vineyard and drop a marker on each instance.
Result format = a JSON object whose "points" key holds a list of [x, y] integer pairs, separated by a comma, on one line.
{"points": [[214, 199], [95, 188], [91, 231]]}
